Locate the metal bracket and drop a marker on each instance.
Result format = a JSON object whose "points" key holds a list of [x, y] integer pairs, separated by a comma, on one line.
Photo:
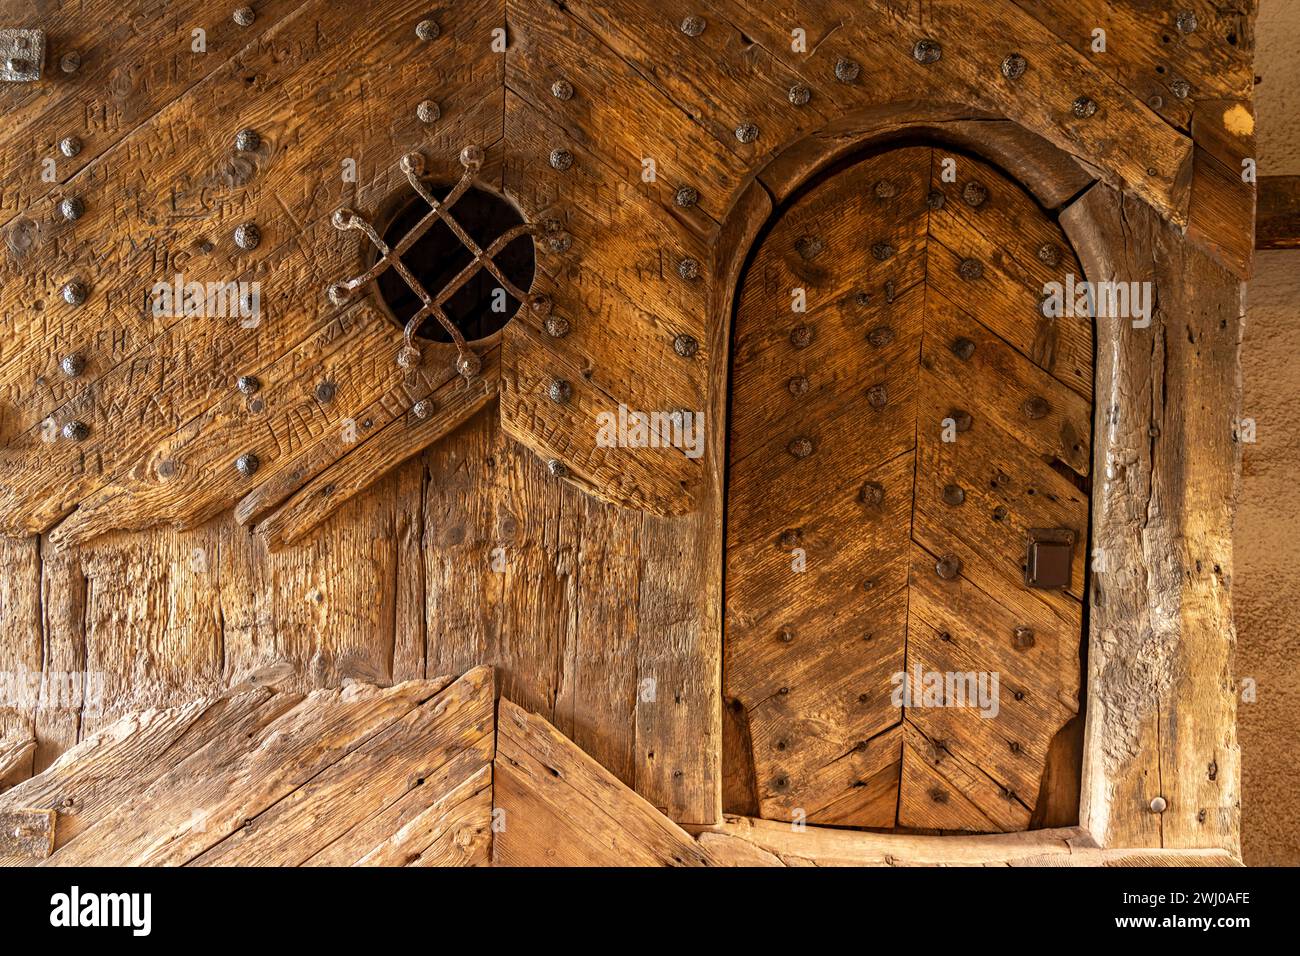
{"points": [[22, 55], [1050, 558]]}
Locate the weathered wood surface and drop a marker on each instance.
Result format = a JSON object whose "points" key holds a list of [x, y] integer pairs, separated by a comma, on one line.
{"points": [[358, 776], [743, 841], [832, 591], [16, 759], [555, 806], [1161, 721]]}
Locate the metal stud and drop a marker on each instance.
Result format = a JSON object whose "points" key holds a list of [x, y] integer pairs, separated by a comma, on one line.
{"points": [[880, 336], [954, 495], [1014, 66], [561, 159], [1083, 107], [247, 463], [801, 336], [1159, 805], [970, 269], [428, 112], [693, 25], [247, 140], [785, 635], [248, 384], [562, 90], [557, 468], [799, 94], [798, 385], [76, 431], [74, 292], [884, 189], [1036, 407], [975, 194], [325, 391], [846, 70], [70, 146], [427, 30], [73, 365], [935, 199], [1022, 638], [881, 251], [689, 269], [559, 241], [244, 16], [70, 62], [556, 326], [559, 391], [1180, 88], [948, 567], [1049, 254], [789, 538], [468, 364], [247, 236], [1186, 22], [422, 409], [746, 132], [686, 196], [963, 348], [927, 51], [962, 419], [685, 345], [871, 493], [72, 208], [800, 447], [408, 357], [809, 247], [877, 397]]}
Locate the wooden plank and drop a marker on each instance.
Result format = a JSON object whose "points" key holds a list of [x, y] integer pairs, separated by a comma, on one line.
{"points": [[159, 825], [1222, 218], [744, 841], [16, 760], [406, 755], [562, 808]]}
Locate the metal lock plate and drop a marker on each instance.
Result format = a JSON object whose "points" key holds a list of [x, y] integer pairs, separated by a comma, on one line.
{"points": [[22, 54], [1050, 558]]}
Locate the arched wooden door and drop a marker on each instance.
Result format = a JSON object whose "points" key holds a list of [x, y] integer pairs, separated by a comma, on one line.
{"points": [[898, 453]]}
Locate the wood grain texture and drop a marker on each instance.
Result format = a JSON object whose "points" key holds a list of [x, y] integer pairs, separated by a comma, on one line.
{"points": [[832, 591], [1277, 223], [559, 807], [361, 776]]}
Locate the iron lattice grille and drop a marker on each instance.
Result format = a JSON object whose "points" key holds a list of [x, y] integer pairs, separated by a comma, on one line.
{"points": [[412, 165]]}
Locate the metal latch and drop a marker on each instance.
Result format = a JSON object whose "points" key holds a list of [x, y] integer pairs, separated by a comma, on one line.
{"points": [[22, 54], [1050, 558]]}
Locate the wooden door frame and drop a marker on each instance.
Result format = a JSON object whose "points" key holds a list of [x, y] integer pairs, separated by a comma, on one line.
{"points": [[1161, 765]]}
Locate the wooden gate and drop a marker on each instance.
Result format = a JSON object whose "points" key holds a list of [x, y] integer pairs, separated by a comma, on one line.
{"points": [[907, 504]]}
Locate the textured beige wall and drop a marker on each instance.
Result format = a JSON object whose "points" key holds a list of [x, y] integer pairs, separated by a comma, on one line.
{"points": [[1267, 536]]}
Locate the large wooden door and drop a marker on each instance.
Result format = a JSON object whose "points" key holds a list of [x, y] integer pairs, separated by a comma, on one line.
{"points": [[894, 449]]}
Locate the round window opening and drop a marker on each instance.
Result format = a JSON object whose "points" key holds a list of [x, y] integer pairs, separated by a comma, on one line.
{"points": [[482, 305]]}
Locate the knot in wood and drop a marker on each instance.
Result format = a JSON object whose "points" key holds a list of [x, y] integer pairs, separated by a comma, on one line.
{"points": [[880, 336]]}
